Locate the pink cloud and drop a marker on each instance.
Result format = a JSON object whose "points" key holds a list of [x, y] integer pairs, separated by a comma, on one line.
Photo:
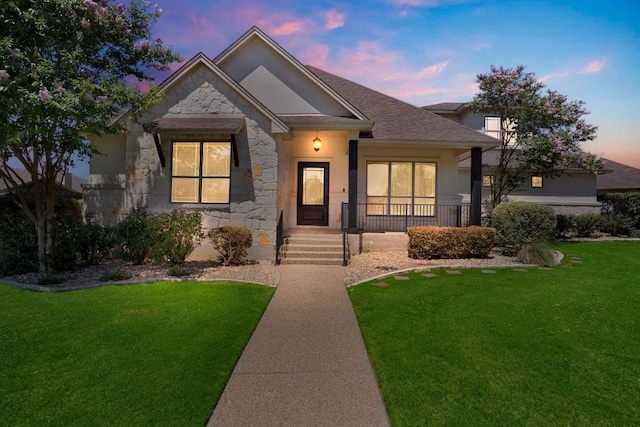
{"points": [[594, 66], [315, 54], [425, 3], [285, 29], [335, 19]]}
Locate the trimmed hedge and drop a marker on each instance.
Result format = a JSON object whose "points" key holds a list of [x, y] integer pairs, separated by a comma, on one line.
{"points": [[450, 242], [520, 223]]}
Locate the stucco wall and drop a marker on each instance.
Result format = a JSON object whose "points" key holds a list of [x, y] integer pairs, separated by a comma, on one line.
{"points": [[334, 150]]}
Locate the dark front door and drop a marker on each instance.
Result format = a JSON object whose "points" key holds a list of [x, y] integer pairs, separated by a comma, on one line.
{"points": [[313, 193]]}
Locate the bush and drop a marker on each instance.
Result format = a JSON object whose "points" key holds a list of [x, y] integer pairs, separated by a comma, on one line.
{"points": [[565, 224], [538, 254], [132, 237], [616, 224], [18, 240], [114, 275], [450, 242], [177, 270], [232, 243], [65, 232], [521, 223], [621, 212], [586, 224], [175, 235]]}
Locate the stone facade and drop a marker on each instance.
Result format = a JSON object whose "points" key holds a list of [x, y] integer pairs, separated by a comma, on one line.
{"points": [[254, 182]]}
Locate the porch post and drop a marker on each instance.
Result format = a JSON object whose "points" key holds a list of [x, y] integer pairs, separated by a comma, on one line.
{"points": [[353, 184], [476, 186]]}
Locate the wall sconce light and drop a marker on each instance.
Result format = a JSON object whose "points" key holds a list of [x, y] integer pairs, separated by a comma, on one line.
{"points": [[317, 143]]}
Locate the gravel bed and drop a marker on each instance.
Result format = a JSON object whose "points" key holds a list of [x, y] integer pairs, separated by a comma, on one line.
{"points": [[361, 267], [370, 265]]}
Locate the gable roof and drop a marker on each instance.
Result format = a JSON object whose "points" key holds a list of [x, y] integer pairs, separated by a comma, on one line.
{"points": [[202, 59], [617, 177], [397, 120], [256, 33]]}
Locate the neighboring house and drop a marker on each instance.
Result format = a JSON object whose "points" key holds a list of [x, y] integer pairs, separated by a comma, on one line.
{"points": [[573, 192], [617, 178], [253, 136], [69, 185]]}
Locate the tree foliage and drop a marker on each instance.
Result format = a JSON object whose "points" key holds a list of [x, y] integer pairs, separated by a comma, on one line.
{"points": [[67, 69], [541, 131]]}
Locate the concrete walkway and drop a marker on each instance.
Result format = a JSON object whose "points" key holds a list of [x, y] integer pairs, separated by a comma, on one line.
{"points": [[306, 363]]}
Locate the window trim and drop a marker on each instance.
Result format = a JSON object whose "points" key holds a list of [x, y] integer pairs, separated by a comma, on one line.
{"points": [[492, 181], [533, 177], [200, 177], [394, 209]]}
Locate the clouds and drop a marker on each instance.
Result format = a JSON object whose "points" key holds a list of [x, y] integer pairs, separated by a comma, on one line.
{"points": [[334, 19], [594, 66]]}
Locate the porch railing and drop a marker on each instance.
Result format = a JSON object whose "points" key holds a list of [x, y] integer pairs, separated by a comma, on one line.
{"points": [[373, 217], [279, 237], [344, 228]]}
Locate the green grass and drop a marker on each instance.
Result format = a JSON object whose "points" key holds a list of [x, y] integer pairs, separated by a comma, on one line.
{"points": [[559, 347], [155, 354]]}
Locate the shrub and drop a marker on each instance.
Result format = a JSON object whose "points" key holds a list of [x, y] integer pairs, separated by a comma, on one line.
{"points": [[616, 224], [114, 275], [586, 224], [232, 243], [175, 235], [49, 279], [65, 231], [94, 241], [132, 236], [626, 209], [565, 224], [450, 242], [520, 223], [538, 254], [18, 240], [177, 270]]}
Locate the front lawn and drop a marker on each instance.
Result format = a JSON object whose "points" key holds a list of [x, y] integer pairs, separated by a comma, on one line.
{"points": [[559, 347], [140, 355]]}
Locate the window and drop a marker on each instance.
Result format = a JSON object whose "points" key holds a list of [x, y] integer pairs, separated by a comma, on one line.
{"points": [[493, 128], [401, 188], [201, 172], [487, 180], [536, 181]]}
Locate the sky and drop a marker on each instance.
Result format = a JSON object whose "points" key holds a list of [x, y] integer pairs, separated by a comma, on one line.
{"points": [[429, 51]]}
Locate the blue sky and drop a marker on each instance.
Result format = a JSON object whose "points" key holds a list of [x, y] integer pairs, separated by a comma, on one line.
{"points": [[429, 51]]}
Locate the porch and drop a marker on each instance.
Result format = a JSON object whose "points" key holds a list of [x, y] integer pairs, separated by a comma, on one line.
{"points": [[375, 217]]}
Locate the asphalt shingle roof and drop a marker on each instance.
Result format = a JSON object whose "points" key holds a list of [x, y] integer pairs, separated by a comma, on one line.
{"points": [[397, 120], [618, 176], [445, 106]]}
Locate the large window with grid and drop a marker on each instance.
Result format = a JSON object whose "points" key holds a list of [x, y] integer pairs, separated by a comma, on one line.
{"points": [[401, 188], [201, 172]]}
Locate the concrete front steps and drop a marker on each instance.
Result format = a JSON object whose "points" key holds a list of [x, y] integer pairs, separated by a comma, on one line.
{"points": [[318, 249]]}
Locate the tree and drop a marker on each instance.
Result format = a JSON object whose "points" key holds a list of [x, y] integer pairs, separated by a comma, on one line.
{"points": [[67, 69], [540, 132]]}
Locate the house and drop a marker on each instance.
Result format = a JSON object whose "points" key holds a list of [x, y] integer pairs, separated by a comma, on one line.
{"points": [[571, 193], [68, 185], [617, 178], [255, 138]]}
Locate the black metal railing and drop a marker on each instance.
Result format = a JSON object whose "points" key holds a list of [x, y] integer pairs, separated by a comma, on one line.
{"points": [[279, 237], [343, 228], [374, 217]]}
